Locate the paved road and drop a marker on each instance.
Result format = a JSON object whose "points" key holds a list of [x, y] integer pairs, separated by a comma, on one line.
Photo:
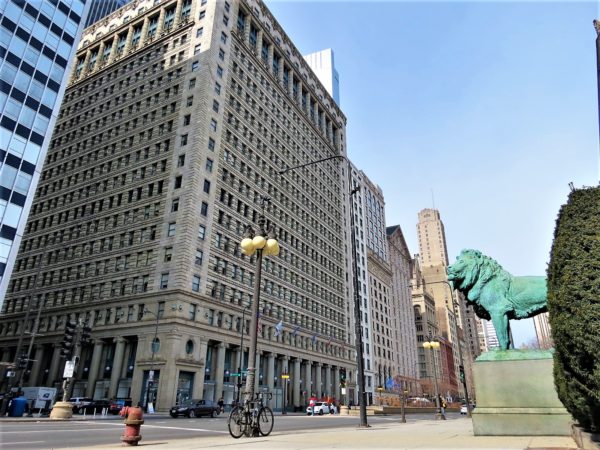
{"points": [[36, 435]]}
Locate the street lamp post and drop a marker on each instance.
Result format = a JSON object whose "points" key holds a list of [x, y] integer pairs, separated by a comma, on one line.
{"points": [[263, 243], [243, 325], [432, 345], [154, 349], [360, 369]]}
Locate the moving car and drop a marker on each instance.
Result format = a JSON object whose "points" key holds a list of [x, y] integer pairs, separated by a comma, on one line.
{"points": [[195, 408], [319, 408]]}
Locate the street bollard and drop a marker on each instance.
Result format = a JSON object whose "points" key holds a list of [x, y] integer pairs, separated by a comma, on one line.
{"points": [[134, 418]]}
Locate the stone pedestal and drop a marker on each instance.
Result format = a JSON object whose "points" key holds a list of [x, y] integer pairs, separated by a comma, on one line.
{"points": [[516, 395], [61, 411]]}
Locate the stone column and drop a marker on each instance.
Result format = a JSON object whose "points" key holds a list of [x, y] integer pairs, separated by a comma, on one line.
{"points": [[259, 39], [307, 379], [271, 372], [113, 49], [270, 58], [336, 383], [220, 371], [86, 61], [94, 366], [247, 30], [54, 364], [299, 96], [144, 36], [199, 381], [319, 388], [169, 376], [328, 387], [296, 388], [128, 41], [178, 9], [161, 22], [99, 58], [37, 364], [117, 363]]}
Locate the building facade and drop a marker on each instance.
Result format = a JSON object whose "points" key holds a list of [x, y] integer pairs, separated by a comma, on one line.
{"points": [[178, 118], [37, 44], [403, 313]]}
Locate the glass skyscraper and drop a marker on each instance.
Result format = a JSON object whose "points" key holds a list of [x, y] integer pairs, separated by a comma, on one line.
{"points": [[37, 43], [99, 9]]}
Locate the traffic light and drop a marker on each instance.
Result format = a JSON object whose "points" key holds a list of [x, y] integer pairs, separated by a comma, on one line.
{"points": [[66, 346], [86, 334], [343, 377], [461, 373]]}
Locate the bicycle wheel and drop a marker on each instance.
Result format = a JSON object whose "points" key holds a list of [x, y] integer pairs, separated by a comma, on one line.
{"points": [[236, 422], [265, 421]]}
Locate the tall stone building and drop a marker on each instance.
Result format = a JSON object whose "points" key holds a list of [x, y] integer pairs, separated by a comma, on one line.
{"points": [[403, 313], [178, 117], [37, 44], [432, 238]]}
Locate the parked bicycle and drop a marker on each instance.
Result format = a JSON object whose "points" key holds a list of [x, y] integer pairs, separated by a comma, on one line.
{"points": [[251, 419]]}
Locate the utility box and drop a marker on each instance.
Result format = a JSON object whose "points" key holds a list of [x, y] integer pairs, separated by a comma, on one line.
{"points": [[39, 397]]}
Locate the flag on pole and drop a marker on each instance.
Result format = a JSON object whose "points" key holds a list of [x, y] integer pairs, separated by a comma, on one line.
{"points": [[295, 332], [278, 328]]}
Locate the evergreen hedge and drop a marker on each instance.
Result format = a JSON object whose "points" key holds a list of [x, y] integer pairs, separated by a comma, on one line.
{"points": [[574, 306]]}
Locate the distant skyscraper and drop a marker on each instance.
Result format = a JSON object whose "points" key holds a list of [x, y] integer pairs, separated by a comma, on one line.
{"points": [[36, 46], [432, 238], [102, 8], [542, 330], [489, 333], [323, 66]]}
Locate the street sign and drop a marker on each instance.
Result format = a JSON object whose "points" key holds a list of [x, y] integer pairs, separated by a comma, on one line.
{"points": [[234, 374], [285, 376], [343, 391], [69, 369]]}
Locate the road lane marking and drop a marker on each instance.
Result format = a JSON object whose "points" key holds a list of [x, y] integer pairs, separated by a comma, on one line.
{"points": [[168, 428], [62, 430], [23, 442]]}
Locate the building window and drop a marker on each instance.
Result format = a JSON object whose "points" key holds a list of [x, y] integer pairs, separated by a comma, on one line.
{"points": [[199, 32], [207, 186], [196, 283], [219, 71], [199, 257], [161, 310], [222, 54], [193, 309], [215, 106], [164, 280], [171, 229], [190, 100], [175, 205], [195, 66], [204, 209], [227, 6], [189, 345], [213, 124], [202, 15], [201, 232], [178, 181], [192, 83], [184, 139], [211, 144], [209, 165], [224, 37], [168, 254], [186, 120], [217, 88], [181, 160], [197, 49]]}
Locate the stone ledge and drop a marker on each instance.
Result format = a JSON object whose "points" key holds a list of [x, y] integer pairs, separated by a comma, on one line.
{"points": [[585, 440]]}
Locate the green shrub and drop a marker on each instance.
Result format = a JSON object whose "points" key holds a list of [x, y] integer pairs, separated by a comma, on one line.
{"points": [[574, 306]]}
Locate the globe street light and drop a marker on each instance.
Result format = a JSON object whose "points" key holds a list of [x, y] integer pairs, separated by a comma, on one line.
{"points": [[262, 243], [431, 345]]}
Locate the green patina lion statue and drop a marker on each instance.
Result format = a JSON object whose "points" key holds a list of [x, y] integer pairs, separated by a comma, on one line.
{"points": [[495, 294]]}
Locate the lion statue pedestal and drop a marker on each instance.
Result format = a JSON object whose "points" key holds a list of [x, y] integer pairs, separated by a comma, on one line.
{"points": [[516, 395]]}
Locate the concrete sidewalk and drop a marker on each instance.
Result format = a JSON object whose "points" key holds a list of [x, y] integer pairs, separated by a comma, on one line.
{"points": [[422, 434]]}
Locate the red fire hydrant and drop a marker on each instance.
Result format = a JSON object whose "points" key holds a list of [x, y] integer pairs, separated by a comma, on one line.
{"points": [[134, 418]]}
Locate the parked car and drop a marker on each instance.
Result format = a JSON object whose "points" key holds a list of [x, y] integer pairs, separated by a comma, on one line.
{"points": [[94, 406], [78, 402], [319, 408], [195, 408], [333, 409]]}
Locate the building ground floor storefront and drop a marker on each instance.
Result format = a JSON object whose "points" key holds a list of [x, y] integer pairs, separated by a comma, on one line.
{"points": [[183, 363]]}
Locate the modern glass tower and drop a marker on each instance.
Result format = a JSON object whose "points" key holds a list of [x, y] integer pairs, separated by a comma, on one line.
{"points": [[36, 46], [99, 9]]}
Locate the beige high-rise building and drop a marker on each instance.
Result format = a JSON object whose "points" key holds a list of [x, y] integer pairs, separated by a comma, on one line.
{"points": [[543, 331], [432, 238], [403, 312], [178, 117]]}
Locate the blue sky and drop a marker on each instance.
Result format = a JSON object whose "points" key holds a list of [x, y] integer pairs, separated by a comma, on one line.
{"points": [[485, 109]]}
